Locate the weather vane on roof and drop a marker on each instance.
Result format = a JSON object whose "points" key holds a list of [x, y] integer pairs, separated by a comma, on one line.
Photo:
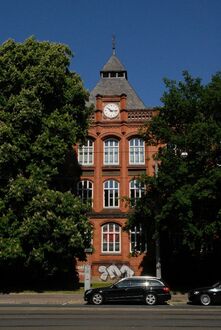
{"points": [[113, 44]]}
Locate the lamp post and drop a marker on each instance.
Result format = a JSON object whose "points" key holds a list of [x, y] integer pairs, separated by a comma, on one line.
{"points": [[157, 239], [87, 271]]}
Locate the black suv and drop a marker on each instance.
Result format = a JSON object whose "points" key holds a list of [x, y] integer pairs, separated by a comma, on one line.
{"points": [[149, 290]]}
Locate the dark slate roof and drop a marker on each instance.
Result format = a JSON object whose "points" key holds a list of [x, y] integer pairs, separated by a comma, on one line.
{"points": [[113, 64], [116, 85]]}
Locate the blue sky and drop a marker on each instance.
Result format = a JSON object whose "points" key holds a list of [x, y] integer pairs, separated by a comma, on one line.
{"points": [[154, 38]]}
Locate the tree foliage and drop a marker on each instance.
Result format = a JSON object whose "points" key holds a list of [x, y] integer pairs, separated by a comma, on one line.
{"points": [[185, 198], [43, 114]]}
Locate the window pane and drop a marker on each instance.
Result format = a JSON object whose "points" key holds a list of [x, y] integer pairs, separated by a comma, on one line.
{"points": [[111, 247], [111, 193], [111, 235], [136, 191], [116, 200], [86, 153], [136, 153], [106, 202], [111, 227], [105, 228], [111, 151], [85, 191], [137, 240], [105, 238]]}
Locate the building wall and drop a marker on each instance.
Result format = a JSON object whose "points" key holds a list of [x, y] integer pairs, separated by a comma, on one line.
{"points": [[109, 266]]}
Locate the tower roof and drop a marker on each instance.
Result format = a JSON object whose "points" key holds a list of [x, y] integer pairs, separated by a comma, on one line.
{"points": [[113, 64], [113, 81]]}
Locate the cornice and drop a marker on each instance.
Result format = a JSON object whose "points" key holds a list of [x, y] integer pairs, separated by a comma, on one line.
{"points": [[104, 215]]}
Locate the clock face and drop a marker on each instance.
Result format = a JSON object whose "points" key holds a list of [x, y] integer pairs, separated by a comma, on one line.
{"points": [[111, 110]]}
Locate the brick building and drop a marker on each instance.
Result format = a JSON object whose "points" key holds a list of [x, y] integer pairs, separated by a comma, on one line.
{"points": [[111, 160]]}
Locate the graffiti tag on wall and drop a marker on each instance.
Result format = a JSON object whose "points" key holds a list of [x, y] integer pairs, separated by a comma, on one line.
{"points": [[113, 271]]}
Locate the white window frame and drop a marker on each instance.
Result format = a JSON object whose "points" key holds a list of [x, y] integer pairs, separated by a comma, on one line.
{"points": [[136, 151], [111, 238], [111, 194], [136, 190], [85, 191], [111, 152], [136, 240], [86, 153]]}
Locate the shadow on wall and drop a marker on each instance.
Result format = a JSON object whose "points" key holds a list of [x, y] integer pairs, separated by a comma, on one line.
{"points": [[148, 265]]}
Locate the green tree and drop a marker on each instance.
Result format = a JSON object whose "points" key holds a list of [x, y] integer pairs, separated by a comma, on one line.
{"points": [[43, 114], [184, 200]]}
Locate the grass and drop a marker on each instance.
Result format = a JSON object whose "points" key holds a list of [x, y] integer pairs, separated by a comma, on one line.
{"points": [[80, 290]]}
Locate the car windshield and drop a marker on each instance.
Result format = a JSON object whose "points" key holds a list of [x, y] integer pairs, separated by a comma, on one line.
{"points": [[116, 283]]}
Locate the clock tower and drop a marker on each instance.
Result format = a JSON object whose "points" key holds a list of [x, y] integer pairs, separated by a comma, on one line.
{"points": [[112, 160]]}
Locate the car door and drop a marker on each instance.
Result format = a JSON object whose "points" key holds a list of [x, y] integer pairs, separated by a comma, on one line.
{"points": [[135, 290], [118, 291], [218, 293]]}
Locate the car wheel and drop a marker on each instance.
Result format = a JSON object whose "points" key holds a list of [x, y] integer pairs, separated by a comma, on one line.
{"points": [[151, 299], [205, 299], [97, 299]]}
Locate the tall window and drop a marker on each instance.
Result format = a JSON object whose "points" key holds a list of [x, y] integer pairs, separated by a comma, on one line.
{"points": [[137, 151], [111, 193], [136, 191], [111, 152], [111, 237], [86, 153], [137, 241], [85, 191]]}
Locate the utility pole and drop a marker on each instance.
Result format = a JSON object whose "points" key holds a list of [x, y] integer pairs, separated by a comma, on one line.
{"points": [[157, 235]]}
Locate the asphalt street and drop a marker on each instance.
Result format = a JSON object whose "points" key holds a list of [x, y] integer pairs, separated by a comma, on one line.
{"points": [[110, 317]]}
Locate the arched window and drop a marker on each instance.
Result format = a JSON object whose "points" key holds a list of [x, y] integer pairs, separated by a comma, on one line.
{"points": [[111, 193], [86, 153], [111, 152], [136, 151], [85, 191], [137, 240], [111, 238], [136, 191]]}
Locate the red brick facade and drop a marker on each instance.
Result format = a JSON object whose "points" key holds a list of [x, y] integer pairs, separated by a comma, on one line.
{"points": [[112, 256]]}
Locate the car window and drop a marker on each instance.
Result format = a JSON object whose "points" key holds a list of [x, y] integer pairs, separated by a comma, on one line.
{"points": [[155, 283], [123, 284], [138, 282], [216, 284]]}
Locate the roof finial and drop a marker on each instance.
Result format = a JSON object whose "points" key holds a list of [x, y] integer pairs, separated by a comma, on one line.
{"points": [[113, 45]]}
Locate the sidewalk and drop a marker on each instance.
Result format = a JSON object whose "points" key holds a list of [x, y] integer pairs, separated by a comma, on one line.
{"points": [[60, 299], [41, 298]]}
